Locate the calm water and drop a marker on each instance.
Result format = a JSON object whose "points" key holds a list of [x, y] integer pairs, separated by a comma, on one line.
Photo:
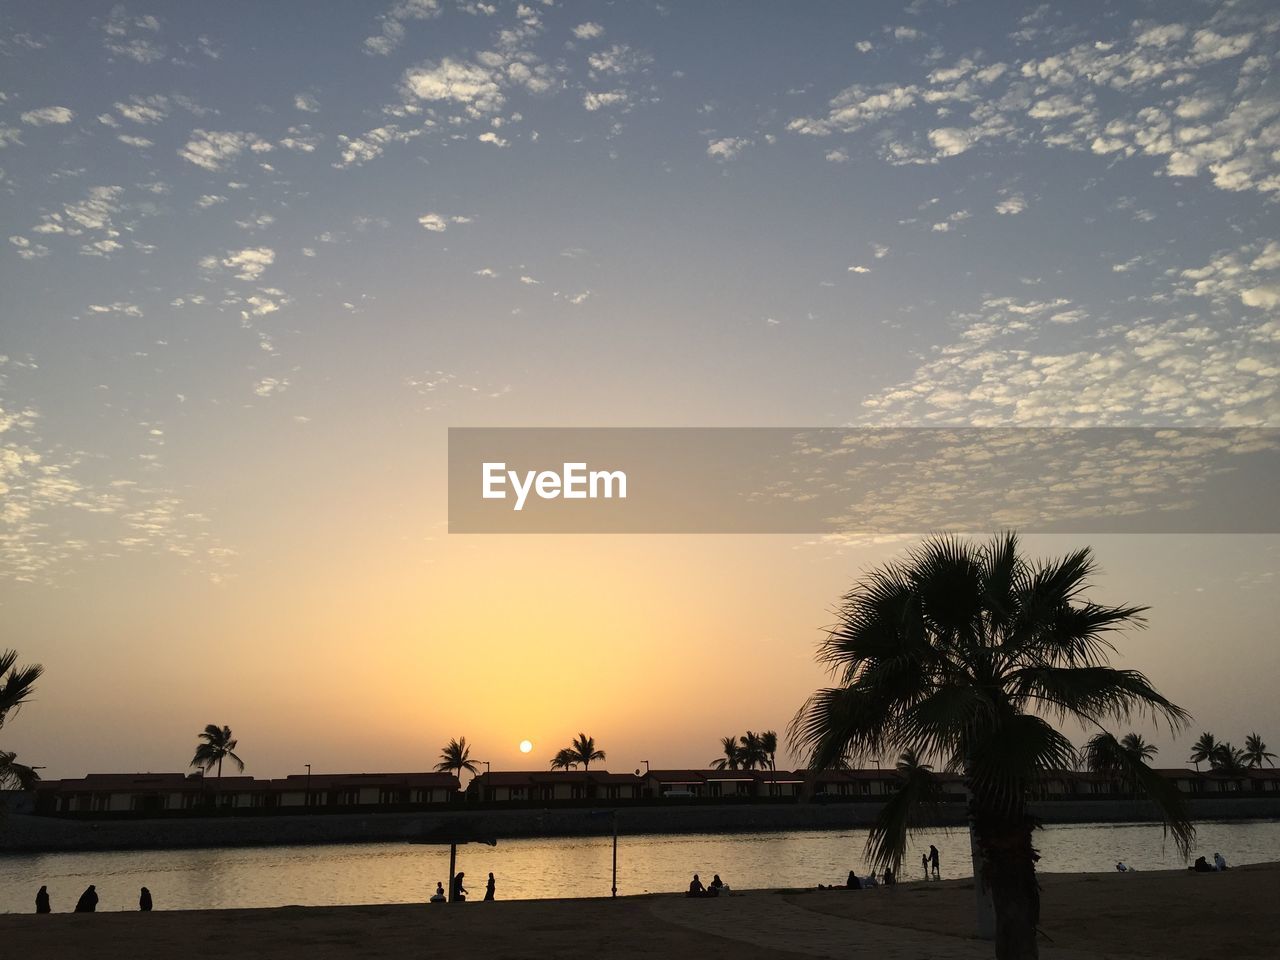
{"points": [[398, 873]]}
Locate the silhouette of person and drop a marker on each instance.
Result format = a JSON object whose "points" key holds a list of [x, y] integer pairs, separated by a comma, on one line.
{"points": [[488, 888], [1220, 862], [459, 891], [42, 901], [696, 889], [88, 901], [1201, 866], [853, 883], [144, 900], [716, 886], [889, 878], [924, 864], [933, 862], [438, 896]]}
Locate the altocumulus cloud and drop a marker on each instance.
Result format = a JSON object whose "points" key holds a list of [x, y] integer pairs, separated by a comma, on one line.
{"points": [[46, 116]]}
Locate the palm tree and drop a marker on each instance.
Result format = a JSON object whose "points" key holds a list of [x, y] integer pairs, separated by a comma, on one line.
{"points": [[216, 744], [17, 684], [1203, 749], [732, 755], [769, 747], [1120, 759], [565, 759], [456, 756], [583, 750], [751, 752], [961, 652], [1138, 747], [1228, 758], [1257, 751]]}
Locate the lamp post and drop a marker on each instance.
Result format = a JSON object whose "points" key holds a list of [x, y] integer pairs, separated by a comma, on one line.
{"points": [[306, 801]]}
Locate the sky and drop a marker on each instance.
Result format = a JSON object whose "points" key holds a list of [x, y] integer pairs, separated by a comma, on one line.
{"points": [[258, 258]]}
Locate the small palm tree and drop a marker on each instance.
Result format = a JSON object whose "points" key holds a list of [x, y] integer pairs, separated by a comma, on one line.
{"points": [[15, 775], [1136, 745], [732, 756], [769, 748], [1257, 751], [216, 744], [455, 756], [1203, 749], [1228, 758], [1125, 760], [751, 752], [962, 652], [565, 759], [583, 750]]}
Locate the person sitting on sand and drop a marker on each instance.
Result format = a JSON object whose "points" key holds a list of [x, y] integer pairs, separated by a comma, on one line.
{"points": [[144, 900], [1121, 867], [459, 891], [489, 887], [438, 896], [696, 889], [88, 902], [889, 878], [1219, 862], [853, 883], [42, 901], [1201, 866]]}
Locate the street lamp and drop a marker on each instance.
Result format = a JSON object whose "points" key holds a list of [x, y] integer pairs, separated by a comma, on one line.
{"points": [[306, 803]]}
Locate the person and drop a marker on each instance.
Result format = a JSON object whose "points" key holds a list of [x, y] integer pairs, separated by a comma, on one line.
{"points": [[489, 887], [853, 883], [696, 889], [42, 901], [438, 896], [1219, 862], [459, 891], [889, 878], [924, 864], [88, 901], [1201, 866], [933, 862], [1122, 867], [144, 900]]}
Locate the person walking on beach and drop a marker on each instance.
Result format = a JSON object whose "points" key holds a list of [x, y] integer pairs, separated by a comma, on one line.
{"points": [[88, 902], [924, 864], [459, 891], [933, 862], [144, 900], [488, 887], [42, 901]]}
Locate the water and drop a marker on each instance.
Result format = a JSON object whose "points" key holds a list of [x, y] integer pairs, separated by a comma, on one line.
{"points": [[553, 867]]}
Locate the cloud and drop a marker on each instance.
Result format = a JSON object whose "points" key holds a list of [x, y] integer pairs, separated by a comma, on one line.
{"points": [[132, 141], [123, 309], [134, 38], [391, 24], [433, 222], [598, 101], [455, 81], [726, 148], [617, 60], [270, 386], [214, 149], [491, 137], [151, 109], [837, 156], [859, 268], [249, 263], [306, 103], [950, 141], [360, 150], [588, 30], [1011, 205], [48, 115], [28, 250]]}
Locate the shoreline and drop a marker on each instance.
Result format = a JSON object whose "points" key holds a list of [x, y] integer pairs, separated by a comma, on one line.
{"points": [[22, 834], [1171, 914]]}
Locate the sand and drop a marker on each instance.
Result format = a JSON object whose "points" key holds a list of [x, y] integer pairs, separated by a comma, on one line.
{"points": [[1176, 915]]}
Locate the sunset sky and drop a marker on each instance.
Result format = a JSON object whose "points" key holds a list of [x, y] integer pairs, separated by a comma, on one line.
{"points": [[258, 257]]}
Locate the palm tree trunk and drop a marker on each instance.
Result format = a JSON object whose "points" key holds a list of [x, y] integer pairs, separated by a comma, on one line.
{"points": [[985, 909], [1009, 872]]}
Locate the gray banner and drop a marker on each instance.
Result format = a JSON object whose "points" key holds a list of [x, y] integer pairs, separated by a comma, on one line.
{"points": [[862, 481]]}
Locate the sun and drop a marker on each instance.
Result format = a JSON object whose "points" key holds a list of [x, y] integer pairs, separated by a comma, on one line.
{"points": [[526, 746]]}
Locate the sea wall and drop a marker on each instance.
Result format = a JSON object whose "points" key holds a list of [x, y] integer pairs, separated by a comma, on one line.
{"points": [[31, 834]]}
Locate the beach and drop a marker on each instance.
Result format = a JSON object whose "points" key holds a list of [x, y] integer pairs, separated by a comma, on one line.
{"points": [[1170, 914]]}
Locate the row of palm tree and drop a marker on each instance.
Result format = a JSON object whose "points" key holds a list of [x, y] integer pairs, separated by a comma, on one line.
{"points": [[17, 684], [750, 751], [1225, 756], [455, 756]]}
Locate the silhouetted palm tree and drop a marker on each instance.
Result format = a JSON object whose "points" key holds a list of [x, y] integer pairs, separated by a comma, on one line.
{"points": [[960, 652], [565, 759], [751, 752], [1203, 749], [1119, 759], [455, 756], [769, 747], [1228, 758], [17, 684], [1136, 745], [731, 756], [216, 744], [583, 750], [1257, 751]]}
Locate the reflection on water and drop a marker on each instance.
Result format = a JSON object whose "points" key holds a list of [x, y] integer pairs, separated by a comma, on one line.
{"points": [[561, 867]]}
